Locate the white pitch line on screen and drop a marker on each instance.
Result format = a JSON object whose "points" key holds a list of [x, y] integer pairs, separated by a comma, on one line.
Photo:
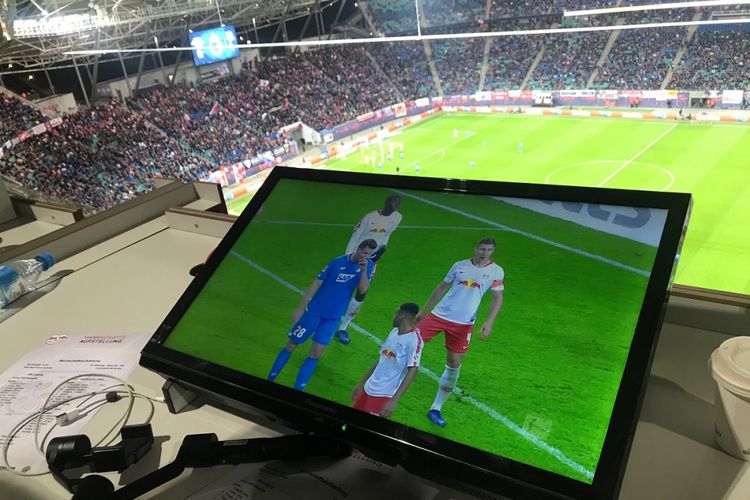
{"points": [[532, 236], [351, 226], [637, 155], [538, 442]]}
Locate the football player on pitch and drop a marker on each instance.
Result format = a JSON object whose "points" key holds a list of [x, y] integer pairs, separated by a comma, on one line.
{"points": [[377, 225], [386, 381], [456, 311], [321, 308]]}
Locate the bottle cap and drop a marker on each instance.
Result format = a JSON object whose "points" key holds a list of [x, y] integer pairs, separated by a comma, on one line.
{"points": [[46, 259]]}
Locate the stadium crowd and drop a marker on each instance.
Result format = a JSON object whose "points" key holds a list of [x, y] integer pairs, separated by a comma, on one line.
{"points": [[112, 152], [568, 60], [406, 66], [509, 61], [15, 117], [459, 63], [100, 157], [715, 60], [640, 59]]}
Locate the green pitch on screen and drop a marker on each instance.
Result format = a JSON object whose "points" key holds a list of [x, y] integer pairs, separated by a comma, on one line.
{"points": [[540, 390], [712, 161]]}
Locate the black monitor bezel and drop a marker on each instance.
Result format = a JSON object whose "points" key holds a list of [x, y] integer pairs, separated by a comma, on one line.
{"points": [[425, 454]]}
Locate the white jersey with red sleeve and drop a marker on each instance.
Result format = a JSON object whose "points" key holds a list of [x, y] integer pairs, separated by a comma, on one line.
{"points": [[374, 226], [397, 354], [468, 284]]}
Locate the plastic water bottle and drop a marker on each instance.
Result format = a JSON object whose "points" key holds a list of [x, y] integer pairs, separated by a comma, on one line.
{"points": [[21, 276]]}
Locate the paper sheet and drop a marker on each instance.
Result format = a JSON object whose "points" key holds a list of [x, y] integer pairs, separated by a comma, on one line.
{"points": [[355, 477], [26, 385]]}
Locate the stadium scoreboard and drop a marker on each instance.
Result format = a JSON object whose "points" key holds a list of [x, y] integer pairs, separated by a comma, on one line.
{"points": [[214, 45]]}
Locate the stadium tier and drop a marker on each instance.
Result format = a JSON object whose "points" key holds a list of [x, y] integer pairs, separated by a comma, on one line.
{"points": [[112, 152]]}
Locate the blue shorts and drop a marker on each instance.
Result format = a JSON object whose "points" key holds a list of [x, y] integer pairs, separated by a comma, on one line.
{"points": [[309, 324]]}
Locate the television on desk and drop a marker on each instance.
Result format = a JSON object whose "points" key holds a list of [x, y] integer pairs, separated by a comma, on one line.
{"points": [[542, 402]]}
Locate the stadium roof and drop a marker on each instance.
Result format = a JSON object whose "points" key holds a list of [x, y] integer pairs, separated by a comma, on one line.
{"points": [[37, 33]]}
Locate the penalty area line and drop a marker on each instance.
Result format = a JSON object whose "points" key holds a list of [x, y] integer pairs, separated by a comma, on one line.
{"points": [[492, 413]]}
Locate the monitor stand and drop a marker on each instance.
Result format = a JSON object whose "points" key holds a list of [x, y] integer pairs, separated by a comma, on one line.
{"points": [[205, 450], [177, 396]]}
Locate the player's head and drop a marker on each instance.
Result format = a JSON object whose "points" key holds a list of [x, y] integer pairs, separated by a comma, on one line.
{"points": [[485, 248], [365, 249], [391, 204], [406, 315]]}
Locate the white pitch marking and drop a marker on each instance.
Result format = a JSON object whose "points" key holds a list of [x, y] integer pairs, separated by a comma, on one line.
{"points": [[638, 155], [559, 455], [532, 236]]}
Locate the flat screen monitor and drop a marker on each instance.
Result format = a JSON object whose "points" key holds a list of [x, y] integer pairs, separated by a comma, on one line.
{"points": [[502, 342], [214, 45]]}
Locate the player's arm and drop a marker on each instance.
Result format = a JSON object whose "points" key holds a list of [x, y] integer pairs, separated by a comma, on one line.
{"points": [[361, 384], [364, 276], [497, 302], [390, 406], [309, 294], [437, 294]]}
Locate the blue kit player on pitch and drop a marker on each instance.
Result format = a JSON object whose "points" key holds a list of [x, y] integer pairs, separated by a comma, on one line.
{"points": [[320, 311]]}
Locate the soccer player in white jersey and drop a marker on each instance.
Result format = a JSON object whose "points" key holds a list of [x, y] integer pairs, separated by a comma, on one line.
{"points": [[387, 380], [456, 311], [377, 225]]}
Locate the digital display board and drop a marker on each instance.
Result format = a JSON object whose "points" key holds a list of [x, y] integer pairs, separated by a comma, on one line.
{"points": [[556, 291], [214, 45]]}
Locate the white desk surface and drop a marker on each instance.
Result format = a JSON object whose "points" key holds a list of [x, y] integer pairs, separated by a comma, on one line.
{"points": [[27, 232], [131, 281]]}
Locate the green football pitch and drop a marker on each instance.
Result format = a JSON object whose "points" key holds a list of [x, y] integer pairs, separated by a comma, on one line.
{"points": [[711, 161], [539, 390]]}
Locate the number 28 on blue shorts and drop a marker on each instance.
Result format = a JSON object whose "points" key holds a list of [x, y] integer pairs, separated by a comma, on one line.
{"points": [[321, 329]]}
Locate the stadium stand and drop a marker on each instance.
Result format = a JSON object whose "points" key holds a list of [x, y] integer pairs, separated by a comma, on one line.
{"points": [[568, 60], [108, 154], [458, 63], [15, 117], [510, 59], [99, 158], [447, 12], [715, 60], [394, 16], [406, 66]]}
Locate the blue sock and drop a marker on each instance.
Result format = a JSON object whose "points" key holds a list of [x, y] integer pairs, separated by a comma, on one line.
{"points": [[279, 364], [305, 372]]}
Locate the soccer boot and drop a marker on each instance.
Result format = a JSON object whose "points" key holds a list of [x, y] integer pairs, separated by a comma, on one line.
{"points": [[435, 417], [343, 337]]}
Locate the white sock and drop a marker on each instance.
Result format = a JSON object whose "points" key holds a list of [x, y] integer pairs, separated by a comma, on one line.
{"points": [[447, 384], [351, 311]]}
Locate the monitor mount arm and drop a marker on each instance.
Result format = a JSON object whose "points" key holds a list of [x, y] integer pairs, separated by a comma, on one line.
{"points": [[205, 450]]}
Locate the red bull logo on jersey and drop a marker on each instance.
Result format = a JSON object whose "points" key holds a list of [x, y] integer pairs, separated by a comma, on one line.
{"points": [[470, 284], [380, 230], [389, 353]]}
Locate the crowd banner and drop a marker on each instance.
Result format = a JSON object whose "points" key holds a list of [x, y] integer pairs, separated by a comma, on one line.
{"points": [[378, 117], [39, 129], [237, 172]]}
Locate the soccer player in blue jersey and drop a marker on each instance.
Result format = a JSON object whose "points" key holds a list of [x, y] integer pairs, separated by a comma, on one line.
{"points": [[324, 303]]}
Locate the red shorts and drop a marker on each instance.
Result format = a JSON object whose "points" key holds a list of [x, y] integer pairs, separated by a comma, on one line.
{"points": [[370, 404], [457, 336]]}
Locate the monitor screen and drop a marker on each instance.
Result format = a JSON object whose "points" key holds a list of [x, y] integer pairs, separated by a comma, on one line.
{"points": [[496, 325], [214, 45]]}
